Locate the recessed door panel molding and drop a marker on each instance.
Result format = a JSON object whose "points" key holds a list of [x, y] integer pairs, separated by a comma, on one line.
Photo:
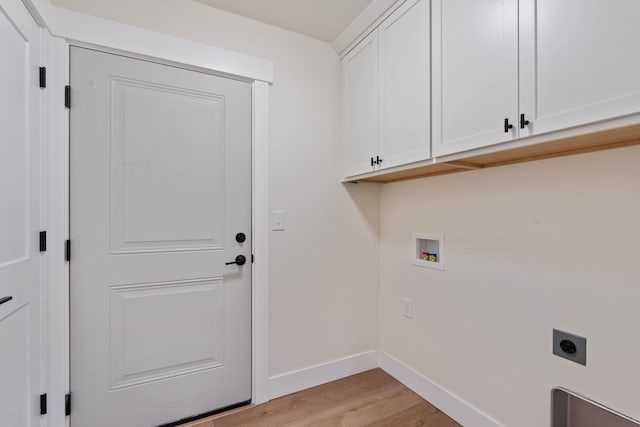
{"points": [[14, 149], [142, 319], [14, 329], [572, 74], [167, 180], [475, 73]]}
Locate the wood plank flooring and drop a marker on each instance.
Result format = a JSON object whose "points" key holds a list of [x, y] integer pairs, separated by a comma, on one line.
{"points": [[372, 398]]}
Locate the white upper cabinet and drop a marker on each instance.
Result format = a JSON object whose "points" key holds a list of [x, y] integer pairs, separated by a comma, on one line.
{"points": [[527, 71], [360, 77], [475, 73], [386, 93], [545, 65], [580, 62], [404, 85]]}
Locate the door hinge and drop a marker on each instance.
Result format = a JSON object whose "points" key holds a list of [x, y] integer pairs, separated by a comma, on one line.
{"points": [[43, 241], [67, 404], [67, 96], [67, 250], [43, 77], [43, 404], [251, 258]]}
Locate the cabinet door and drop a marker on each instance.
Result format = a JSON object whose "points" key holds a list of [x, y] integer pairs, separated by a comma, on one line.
{"points": [[360, 76], [404, 85], [475, 73], [580, 61]]}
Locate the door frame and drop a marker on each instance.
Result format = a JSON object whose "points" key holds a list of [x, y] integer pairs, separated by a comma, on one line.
{"points": [[67, 28]]}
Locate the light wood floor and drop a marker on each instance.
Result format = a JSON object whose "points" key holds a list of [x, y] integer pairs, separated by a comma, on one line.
{"points": [[372, 398]]}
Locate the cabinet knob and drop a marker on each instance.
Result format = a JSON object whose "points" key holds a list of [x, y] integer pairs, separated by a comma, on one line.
{"points": [[372, 162], [507, 126], [523, 122], [378, 160]]}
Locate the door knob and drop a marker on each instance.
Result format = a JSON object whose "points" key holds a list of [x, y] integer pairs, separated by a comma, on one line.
{"points": [[5, 299], [240, 260]]}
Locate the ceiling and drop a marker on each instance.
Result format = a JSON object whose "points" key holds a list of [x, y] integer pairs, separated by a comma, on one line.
{"points": [[320, 19]]}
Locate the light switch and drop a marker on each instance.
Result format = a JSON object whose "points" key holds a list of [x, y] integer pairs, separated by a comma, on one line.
{"points": [[277, 221]]}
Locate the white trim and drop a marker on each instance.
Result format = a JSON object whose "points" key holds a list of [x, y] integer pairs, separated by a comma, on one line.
{"points": [[447, 402], [74, 26], [57, 289], [365, 23], [260, 282], [291, 382]]}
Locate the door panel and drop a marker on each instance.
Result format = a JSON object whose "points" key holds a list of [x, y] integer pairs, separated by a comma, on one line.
{"points": [[160, 185], [404, 85], [145, 161], [20, 209], [577, 62], [475, 73], [360, 76], [15, 388], [141, 324]]}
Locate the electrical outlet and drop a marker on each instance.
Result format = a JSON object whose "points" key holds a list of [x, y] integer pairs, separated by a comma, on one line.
{"points": [[569, 346], [407, 307]]}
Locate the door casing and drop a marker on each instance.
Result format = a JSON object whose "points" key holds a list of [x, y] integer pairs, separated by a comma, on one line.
{"points": [[182, 53]]}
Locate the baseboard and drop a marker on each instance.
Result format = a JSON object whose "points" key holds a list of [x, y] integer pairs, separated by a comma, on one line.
{"points": [[291, 382], [447, 402], [444, 400]]}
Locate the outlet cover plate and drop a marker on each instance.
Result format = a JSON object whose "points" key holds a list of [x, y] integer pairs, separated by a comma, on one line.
{"points": [[278, 221], [580, 355], [407, 307]]}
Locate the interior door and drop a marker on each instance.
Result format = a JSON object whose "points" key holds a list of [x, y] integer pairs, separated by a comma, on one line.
{"points": [[20, 210], [475, 73], [160, 189]]}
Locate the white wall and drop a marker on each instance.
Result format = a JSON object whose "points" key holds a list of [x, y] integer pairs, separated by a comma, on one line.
{"points": [[529, 247], [324, 268]]}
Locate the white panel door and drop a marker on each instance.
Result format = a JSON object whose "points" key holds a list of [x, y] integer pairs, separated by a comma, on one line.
{"points": [[360, 80], [160, 187], [580, 62], [20, 210], [475, 73], [404, 85]]}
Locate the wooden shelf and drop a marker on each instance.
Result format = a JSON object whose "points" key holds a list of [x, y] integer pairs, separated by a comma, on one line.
{"points": [[597, 141]]}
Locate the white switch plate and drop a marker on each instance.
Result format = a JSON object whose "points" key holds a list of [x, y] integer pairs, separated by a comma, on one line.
{"points": [[407, 307], [277, 221]]}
